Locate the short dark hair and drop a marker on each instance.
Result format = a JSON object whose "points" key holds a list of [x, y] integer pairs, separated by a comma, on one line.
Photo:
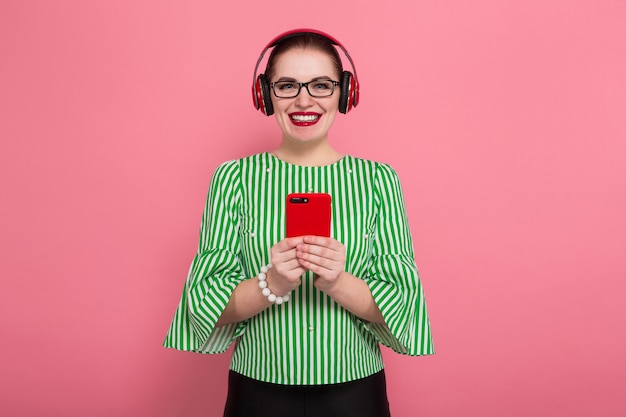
{"points": [[303, 40]]}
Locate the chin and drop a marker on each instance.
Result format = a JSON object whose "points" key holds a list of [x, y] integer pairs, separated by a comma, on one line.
{"points": [[306, 138]]}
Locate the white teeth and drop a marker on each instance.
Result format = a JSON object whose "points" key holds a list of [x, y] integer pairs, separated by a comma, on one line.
{"points": [[303, 118]]}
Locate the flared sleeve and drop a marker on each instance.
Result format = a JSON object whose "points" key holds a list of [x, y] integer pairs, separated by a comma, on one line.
{"points": [[392, 273], [214, 273]]}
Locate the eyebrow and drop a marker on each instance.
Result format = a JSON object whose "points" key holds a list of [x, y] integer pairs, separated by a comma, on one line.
{"points": [[295, 81]]}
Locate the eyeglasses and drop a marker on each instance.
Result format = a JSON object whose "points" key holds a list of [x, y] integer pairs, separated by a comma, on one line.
{"points": [[290, 89]]}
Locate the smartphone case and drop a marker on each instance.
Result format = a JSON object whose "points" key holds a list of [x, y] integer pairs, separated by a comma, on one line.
{"points": [[308, 214]]}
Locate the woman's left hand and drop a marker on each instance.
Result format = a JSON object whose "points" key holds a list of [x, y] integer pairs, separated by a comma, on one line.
{"points": [[325, 257]]}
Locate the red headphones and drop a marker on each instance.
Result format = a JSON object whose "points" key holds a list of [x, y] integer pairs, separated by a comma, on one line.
{"points": [[261, 95]]}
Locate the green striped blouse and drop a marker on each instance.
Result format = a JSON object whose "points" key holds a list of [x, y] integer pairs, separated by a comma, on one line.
{"points": [[310, 339]]}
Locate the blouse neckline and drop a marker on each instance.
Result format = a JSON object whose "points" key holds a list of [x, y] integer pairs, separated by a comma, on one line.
{"points": [[277, 159]]}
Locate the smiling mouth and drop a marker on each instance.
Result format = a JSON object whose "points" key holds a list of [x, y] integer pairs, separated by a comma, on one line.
{"points": [[304, 118]]}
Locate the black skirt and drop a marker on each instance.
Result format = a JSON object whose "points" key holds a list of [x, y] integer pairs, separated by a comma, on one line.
{"points": [[366, 397]]}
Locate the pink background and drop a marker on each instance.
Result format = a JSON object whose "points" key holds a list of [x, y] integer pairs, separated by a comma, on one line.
{"points": [[504, 119]]}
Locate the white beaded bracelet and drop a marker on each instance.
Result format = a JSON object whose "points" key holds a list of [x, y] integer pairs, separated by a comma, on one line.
{"points": [[272, 298]]}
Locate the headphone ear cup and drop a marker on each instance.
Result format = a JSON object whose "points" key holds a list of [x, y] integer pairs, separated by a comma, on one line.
{"points": [[347, 88], [264, 98]]}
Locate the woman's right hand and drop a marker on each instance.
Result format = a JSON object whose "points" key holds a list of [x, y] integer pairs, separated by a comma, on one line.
{"points": [[284, 276]]}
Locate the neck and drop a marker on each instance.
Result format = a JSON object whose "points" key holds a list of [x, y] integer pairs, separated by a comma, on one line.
{"points": [[307, 154]]}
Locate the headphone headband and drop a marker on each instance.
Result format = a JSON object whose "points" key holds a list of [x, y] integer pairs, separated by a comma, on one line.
{"points": [[354, 90]]}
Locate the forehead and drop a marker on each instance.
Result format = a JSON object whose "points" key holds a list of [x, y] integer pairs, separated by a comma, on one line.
{"points": [[304, 64]]}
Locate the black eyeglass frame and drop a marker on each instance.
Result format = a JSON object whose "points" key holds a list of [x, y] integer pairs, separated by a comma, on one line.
{"points": [[305, 85]]}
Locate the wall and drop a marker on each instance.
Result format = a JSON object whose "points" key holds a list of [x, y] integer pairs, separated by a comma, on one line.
{"points": [[504, 119]]}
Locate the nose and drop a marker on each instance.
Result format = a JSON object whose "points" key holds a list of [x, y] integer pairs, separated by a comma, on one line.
{"points": [[304, 99]]}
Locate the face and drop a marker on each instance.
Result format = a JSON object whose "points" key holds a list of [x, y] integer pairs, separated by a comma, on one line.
{"points": [[305, 118]]}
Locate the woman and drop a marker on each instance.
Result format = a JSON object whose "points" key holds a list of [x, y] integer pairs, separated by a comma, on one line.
{"points": [[307, 313]]}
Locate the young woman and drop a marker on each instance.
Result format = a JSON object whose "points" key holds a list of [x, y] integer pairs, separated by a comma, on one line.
{"points": [[307, 314]]}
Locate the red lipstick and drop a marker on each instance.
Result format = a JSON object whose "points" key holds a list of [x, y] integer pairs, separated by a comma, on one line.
{"points": [[304, 118]]}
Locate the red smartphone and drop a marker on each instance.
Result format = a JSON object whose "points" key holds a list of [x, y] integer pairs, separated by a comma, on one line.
{"points": [[308, 214]]}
